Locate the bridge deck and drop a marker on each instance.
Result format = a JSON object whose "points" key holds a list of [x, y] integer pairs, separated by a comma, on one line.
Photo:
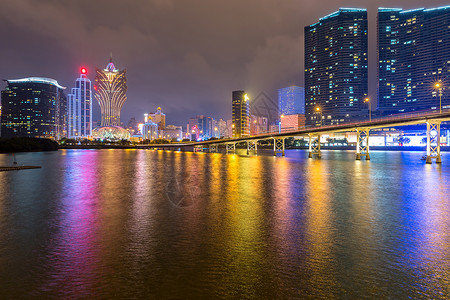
{"points": [[402, 120]]}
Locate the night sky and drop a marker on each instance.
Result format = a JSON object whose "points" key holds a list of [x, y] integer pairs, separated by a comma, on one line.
{"points": [[183, 55]]}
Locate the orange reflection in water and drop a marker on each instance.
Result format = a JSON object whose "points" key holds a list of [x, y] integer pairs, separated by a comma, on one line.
{"points": [[245, 248], [319, 231]]}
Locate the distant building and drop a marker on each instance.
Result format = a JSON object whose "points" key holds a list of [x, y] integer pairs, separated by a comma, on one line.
{"points": [[240, 114], [133, 126], [413, 53], [149, 131], [291, 100], [194, 133], [79, 108], [34, 107], [205, 126], [159, 118], [274, 128], [229, 131], [292, 122], [258, 125], [264, 106], [336, 64], [172, 132], [111, 93], [221, 128]]}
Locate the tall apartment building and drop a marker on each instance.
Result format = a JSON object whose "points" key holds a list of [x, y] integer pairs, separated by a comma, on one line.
{"points": [[413, 54], [336, 67]]}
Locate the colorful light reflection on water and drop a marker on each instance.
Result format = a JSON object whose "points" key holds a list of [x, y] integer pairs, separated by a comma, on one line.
{"points": [[139, 224]]}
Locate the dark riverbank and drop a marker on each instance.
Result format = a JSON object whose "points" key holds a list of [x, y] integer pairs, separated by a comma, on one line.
{"points": [[25, 144]]}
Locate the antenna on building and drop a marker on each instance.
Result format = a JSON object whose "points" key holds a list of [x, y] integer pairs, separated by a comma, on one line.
{"points": [[110, 57]]}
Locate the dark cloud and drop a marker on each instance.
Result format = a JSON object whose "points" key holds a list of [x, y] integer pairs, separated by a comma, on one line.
{"points": [[183, 55]]}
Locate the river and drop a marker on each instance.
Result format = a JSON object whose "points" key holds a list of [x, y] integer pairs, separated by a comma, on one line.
{"points": [[140, 224]]}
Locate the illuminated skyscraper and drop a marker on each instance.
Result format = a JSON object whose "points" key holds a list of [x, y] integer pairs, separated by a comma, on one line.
{"points": [[336, 64], [34, 107], [240, 114], [111, 93], [291, 100], [413, 53], [79, 107]]}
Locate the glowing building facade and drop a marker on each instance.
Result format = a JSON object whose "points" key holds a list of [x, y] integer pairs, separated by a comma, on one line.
{"points": [[240, 114], [336, 68], [111, 93], [159, 118], [291, 100], [34, 107], [79, 108], [413, 54]]}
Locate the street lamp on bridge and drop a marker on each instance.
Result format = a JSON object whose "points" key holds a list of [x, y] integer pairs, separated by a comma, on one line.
{"points": [[367, 100], [318, 110], [439, 86]]}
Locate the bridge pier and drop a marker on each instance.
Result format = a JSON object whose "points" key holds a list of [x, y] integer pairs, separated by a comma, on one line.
{"points": [[231, 147], [314, 146], [198, 148], [433, 141], [362, 143], [252, 146], [278, 146], [213, 148]]}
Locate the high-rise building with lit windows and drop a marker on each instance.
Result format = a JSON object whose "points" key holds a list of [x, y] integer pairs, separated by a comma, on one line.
{"points": [[79, 107], [33, 107], [336, 67], [111, 93], [240, 114], [413, 53], [291, 100]]}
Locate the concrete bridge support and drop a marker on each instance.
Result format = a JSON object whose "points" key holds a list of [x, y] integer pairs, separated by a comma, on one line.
{"points": [[362, 143], [198, 148], [231, 147], [314, 145], [213, 148], [252, 146], [278, 146], [433, 141]]}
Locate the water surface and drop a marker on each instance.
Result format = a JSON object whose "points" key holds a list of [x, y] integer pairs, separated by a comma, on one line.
{"points": [[160, 224]]}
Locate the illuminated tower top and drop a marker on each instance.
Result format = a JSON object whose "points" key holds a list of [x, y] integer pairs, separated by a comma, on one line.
{"points": [[111, 88]]}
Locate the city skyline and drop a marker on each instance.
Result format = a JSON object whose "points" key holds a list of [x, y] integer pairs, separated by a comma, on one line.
{"points": [[267, 61]]}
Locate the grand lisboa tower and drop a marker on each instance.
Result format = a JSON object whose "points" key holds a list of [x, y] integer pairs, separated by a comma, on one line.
{"points": [[111, 93]]}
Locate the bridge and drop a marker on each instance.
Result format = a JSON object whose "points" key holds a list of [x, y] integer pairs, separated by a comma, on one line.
{"points": [[433, 121]]}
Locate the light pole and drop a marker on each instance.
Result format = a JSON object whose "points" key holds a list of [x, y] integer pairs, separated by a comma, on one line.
{"points": [[279, 124], [318, 110], [438, 86], [370, 110]]}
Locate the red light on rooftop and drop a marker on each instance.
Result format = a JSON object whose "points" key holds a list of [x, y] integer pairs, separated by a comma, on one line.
{"points": [[83, 70]]}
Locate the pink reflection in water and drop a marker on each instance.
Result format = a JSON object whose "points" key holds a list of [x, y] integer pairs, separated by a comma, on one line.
{"points": [[74, 251]]}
